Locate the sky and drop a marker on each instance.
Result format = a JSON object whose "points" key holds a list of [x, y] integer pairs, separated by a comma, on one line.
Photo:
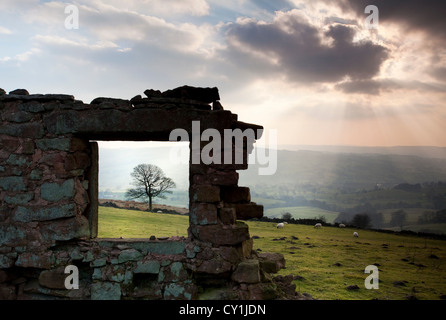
{"points": [[313, 70]]}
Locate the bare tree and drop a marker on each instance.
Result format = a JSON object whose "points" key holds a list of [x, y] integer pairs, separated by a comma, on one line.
{"points": [[149, 182]]}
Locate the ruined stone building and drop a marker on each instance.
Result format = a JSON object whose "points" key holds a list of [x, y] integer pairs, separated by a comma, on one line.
{"points": [[49, 204]]}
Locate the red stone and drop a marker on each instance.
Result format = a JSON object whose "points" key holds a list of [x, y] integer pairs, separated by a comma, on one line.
{"points": [[246, 211], [221, 235], [235, 194]]}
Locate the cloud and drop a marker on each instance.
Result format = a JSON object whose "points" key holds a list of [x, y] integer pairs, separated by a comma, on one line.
{"points": [[159, 8], [411, 15], [377, 86], [4, 30], [439, 73], [293, 46]]}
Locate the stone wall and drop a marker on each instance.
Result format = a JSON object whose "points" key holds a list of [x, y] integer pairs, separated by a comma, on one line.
{"points": [[49, 205]]}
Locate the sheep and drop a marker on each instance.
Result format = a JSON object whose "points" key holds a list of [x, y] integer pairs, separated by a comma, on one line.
{"points": [[355, 234], [318, 225], [341, 225], [280, 225]]}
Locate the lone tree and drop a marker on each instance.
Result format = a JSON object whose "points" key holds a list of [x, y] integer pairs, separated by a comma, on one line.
{"points": [[149, 182], [361, 220], [398, 218]]}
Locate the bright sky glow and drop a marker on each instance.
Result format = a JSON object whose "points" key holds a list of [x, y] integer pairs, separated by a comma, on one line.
{"points": [[310, 69]]}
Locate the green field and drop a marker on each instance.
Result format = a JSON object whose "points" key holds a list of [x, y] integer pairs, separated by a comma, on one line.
{"points": [[302, 213], [116, 223], [325, 261]]}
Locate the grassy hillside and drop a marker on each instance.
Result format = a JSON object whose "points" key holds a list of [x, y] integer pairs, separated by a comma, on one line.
{"points": [[116, 223], [324, 261], [346, 169], [302, 213]]}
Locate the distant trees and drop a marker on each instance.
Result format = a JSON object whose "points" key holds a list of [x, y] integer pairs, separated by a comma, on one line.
{"points": [[398, 219], [361, 220], [149, 182], [287, 216], [433, 217]]}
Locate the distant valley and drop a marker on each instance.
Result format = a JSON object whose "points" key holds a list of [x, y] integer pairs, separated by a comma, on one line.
{"points": [[326, 180]]}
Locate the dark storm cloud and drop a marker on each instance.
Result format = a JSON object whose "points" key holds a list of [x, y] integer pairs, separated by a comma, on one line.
{"points": [[297, 48], [439, 73], [413, 15], [375, 87]]}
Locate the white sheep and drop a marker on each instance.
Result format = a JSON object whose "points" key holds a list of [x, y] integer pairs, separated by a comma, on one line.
{"points": [[318, 225], [355, 234], [341, 225], [280, 225]]}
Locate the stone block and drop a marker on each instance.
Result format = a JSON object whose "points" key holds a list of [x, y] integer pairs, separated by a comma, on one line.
{"points": [[235, 194], [65, 229], [54, 160], [224, 178], [77, 160], [13, 235], [9, 144], [229, 253], [20, 92], [214, 266], [206, 193], [7, 292], [271, 262], [105, 291], [18, 117], [175, 272], [262, 291], [32, 106], [12, 184], [246, 248], [247, 271], [129, 255], [62, 144], [19, 160], [227, 215], [41, 260], [27, 147], [23, 130], [116, 273], [53, 279], [19, 199], [98, 262], [28, 214], [221, 234], [246, 211], [178, 291], [152, 267], [203, 214], [144, 246], [206, 95], [7, 260], [221, 178], [36, 174], [52, 191]]}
